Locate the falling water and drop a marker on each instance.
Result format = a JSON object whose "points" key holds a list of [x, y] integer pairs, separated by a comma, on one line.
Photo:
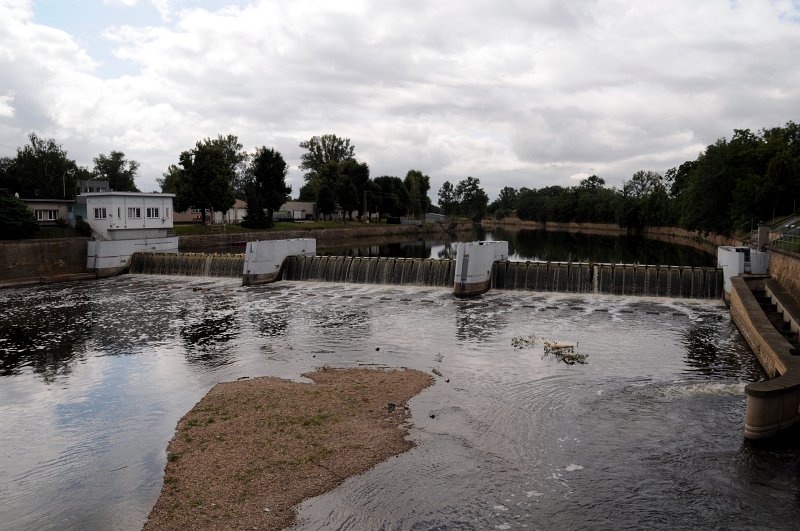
{"points": [[188, 264], [362, 270], [617, 279]]}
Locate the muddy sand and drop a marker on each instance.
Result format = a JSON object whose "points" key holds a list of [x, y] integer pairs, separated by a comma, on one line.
{"points": [[251, 450]]}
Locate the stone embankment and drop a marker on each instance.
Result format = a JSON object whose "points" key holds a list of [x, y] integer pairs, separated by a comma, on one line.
{"points": [[348, 233], [28, 262], [768, 317]]}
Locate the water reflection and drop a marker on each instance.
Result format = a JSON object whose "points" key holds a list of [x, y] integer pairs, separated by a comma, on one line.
{"points": [[709, 350], [478, 320], [207, 332], [539, 245], [552, 445], [546, 246], [49, 336]]}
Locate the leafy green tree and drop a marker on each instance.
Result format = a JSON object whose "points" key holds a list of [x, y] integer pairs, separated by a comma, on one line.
{"points": [[505, 204], [448, 200], [321, 150], [265, 187], [17, 221], [40, 169], [326, 199], [236, 158], [206, 180], [393, 199], [417, 185], [357, 173], [473, 199], [171, 179], [119, 173]]}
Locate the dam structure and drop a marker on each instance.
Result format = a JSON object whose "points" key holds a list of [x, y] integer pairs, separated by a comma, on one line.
{"points": [[773, 405], [478, 268]]}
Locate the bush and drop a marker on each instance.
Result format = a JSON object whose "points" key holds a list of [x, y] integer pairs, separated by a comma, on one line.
{"points": [[17, 221], [82, 227]]}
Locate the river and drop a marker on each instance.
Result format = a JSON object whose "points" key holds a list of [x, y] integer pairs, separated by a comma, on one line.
{"points": [[647, 433]]}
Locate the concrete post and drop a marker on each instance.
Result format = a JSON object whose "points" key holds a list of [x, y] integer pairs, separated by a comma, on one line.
{"points": [[263, 259], [474, 261]]}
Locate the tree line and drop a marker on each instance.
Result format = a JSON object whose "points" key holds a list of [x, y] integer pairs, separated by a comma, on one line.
{"points": [[42, 169], [216, 171], [732, 185]]}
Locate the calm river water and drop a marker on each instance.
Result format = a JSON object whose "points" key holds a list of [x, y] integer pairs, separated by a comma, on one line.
{"points": [[541, 246], [648, 433]]}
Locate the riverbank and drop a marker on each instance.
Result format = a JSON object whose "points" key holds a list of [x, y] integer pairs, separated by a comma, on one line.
{"points": [[251, 450], [705, 242]]}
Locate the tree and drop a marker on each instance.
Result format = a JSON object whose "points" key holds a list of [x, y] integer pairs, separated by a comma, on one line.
{"points": [[206, 180], [265, 187], [236, 158], [417, 185], [119, 173], [17, 221], [505, 204], [171, 180], [473, 199], [393, 200], [40, 169], [448, 200], [358, 174], [326, 199], [323, 149]]}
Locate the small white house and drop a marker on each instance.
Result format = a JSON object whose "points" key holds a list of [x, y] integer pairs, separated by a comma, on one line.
{"points": [[235, 214], [129, 215]]}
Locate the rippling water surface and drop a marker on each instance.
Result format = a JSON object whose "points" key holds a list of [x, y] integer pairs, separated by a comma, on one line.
{"points": [[648, 433]]}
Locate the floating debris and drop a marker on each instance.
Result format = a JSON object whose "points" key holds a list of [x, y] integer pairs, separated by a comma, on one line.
{"points": [[520, 342], [563, 352]]}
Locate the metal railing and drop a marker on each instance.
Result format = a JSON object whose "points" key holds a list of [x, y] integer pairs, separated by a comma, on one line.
{"points": [[787, 241]]}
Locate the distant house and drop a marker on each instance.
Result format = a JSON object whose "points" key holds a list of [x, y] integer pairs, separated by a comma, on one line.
{"points": [[233, 215], [51, 211], [129, 215], [90, 186], [295, 210]]}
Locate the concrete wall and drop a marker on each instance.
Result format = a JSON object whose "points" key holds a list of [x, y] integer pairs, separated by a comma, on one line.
{"points": [[111, 257], [784, 267], [381, 232], [263, 259], [41, 258], [772, 405]]}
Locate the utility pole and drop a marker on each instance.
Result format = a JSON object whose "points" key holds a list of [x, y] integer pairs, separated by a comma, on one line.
{"points": [[365, 206]]}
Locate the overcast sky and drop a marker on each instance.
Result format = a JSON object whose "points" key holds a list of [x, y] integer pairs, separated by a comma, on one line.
{"points": [[513, 92]]}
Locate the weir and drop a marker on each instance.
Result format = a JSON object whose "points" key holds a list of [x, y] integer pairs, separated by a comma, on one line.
{"points": [[187, 264], [373, 270], [616, 279]]}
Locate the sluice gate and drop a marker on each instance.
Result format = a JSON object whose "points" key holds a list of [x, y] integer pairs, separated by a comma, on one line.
{"points": [[616, 279], [187, 264], [372, 270]]}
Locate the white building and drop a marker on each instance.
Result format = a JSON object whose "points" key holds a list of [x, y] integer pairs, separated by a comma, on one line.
{"points": [[129, 215], [235, 214], [296, 210]]}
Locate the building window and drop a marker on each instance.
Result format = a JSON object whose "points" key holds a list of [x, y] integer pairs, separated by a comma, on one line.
{"points": [[46, 215], [134, 212], [167, 212], [152, 213], [99, 213]]}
